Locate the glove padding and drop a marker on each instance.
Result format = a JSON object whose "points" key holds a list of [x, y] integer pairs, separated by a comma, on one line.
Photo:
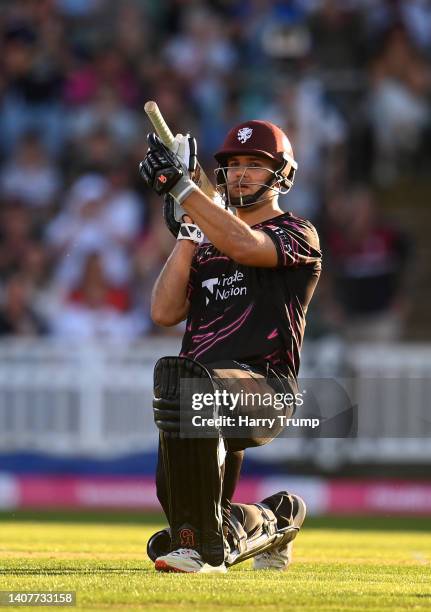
{"points": [[164, 171], [186, 148], [161, 169], [169, 210], [179, 229]]}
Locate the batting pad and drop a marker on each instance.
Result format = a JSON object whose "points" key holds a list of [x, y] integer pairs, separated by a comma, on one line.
{"points": [[193, 468]]}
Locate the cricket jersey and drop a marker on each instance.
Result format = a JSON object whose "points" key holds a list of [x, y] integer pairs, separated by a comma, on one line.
{"points": [[252, 314]]}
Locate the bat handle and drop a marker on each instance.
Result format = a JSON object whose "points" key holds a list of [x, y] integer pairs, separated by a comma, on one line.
{"points": [[159, 123]]}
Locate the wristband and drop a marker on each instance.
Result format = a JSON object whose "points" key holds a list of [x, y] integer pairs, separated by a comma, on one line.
{"points": [[183, 188], [190, 231]]}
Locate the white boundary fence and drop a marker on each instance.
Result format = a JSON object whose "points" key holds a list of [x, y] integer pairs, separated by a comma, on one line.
{"points": [[95, 400], [88, 399]]}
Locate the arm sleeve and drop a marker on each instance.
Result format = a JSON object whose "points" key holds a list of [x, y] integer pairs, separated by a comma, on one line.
{"points": [[297, 244]]}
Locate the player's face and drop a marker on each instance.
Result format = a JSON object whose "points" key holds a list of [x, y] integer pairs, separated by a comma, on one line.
{"points": [[246, 174]]}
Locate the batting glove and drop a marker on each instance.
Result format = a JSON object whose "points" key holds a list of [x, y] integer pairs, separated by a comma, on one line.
{"points": [[164, 172], [186, 148], [179, 229]]}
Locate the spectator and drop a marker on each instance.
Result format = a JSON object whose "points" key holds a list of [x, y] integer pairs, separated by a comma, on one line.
{"points": [[107, 113], [96, 217], [35, 270], [16, 236], [338, 33], [17, 315], [348, 80], [319, 133], [368, 259], [152, 250], [30, 176], [96, 309], [126, 212], [107, 70], [202, 49], [91, 154], [31, 100], [398, 107]]}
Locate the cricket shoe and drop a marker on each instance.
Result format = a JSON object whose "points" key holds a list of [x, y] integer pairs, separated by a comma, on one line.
{"points": [[280, 557], [187, 561]]}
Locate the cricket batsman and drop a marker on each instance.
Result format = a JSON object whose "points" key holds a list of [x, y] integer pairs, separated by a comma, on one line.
{"points": [[243, 282]]}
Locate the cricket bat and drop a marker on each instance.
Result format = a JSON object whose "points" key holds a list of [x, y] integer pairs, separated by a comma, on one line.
{"points": [[166, 136]]}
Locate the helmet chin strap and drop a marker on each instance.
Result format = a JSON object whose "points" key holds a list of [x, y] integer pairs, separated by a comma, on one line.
{"points": [[250, 200]]}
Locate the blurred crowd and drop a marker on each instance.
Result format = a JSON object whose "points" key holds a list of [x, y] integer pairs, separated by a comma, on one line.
{"points": [[82, 241]]}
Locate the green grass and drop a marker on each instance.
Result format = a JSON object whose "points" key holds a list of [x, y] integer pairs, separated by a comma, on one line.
{"points": [[340, 564]]}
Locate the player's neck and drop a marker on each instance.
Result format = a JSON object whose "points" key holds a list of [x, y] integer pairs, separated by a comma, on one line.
{"points": [[259, 213]]}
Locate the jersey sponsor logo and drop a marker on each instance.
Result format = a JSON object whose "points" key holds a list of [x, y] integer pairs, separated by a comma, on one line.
{"points": [[209, 285], [244, 134], [224, 287]]}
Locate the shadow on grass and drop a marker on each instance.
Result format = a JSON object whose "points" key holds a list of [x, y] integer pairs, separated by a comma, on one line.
{"points": [[31, 571], [83, 516], [357, 523]]}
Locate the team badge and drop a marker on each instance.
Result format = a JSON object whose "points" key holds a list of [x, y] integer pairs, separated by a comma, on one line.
{"points": [[244, 134], [187, 538]]}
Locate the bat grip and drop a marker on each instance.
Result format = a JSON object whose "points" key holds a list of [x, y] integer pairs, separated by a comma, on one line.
{"points": [[159, 124]]}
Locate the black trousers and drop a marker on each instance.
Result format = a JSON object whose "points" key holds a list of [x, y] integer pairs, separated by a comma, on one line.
{"points": [[236, 376]]}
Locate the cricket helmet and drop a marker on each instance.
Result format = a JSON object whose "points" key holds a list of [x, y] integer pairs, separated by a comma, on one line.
{"points": [[264, 139]]}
